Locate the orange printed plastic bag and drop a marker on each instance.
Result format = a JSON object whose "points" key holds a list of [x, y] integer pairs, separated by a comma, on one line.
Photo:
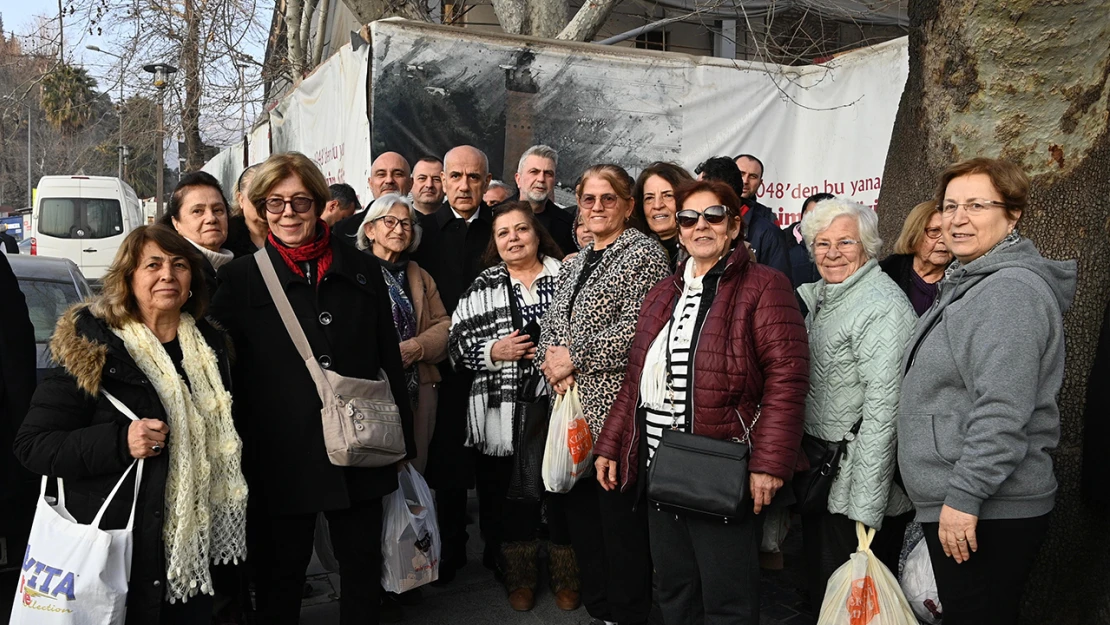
{"points": [[864, 592], [570, 444]]}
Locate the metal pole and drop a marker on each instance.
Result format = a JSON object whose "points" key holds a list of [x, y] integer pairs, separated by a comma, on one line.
{"points": [[161, 148], [30, 195], [242, 103], [120, 147]]}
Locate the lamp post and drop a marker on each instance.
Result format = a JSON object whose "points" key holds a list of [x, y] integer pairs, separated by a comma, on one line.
{"points": [[30, 200], [161, 73], [119, 104]]}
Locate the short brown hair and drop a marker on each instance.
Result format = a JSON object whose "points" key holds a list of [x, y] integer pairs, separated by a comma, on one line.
{"points": [[547, 246], [283, 165], [914, 227], [116, 303], [621, 182], [1008, 179], [722, 190]]}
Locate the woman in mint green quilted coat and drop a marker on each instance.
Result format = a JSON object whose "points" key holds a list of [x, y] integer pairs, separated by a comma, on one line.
{"points": [[859, 323]]}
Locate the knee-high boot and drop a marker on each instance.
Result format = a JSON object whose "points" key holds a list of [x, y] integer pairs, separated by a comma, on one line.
{"points": [[563, 569], [520, 573]]}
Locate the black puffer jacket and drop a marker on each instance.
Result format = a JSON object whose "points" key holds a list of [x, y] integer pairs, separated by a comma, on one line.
{"points": [[767, 240], [74, 433]]}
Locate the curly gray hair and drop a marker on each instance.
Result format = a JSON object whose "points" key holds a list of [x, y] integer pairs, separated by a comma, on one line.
{"points": [[821, 216], [378, 208]]}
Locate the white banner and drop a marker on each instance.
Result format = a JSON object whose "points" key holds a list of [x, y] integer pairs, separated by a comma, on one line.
{"points": [[258, 148], [325, 119], [226, 167]]}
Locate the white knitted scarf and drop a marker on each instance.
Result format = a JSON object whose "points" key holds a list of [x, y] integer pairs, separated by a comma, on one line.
{"points": [[206, 494]]}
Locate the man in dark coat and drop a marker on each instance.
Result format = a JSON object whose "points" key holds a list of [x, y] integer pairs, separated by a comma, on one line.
{"points": [[535, 177], [767, 241], [17, 384], [389, 173], [454, 240], [11, 246]]}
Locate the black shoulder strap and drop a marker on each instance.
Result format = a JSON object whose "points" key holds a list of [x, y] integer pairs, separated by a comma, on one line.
{"points": [[514, 310]]}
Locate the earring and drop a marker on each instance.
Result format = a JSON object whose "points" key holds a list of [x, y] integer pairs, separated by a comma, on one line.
{"points": [[190, 293]]}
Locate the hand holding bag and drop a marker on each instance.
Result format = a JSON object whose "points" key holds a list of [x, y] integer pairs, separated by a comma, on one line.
{"points": [[531, 419], [74, 574], [361, 421], [863, 591], [569, 450]]}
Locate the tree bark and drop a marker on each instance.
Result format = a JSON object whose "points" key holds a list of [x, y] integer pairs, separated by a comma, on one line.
{"points": [[321, 34], [294, 9], [589, 19], [547, 17], [304, 32], [190, 66], [369, 10], [1026, 81]]}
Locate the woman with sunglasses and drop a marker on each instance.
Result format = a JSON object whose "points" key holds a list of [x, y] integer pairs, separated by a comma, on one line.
{"points": [[720, 351], [586, 333], [343, 306], [859, 323], [920, 256], [655, 204], [391, 231]]}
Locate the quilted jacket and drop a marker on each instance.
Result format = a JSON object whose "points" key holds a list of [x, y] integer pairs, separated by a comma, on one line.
{"points": [[751, 353], [858, 331], [599, 330]]}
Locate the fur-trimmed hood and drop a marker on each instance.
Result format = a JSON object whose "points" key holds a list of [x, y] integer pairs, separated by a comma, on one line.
{"points": [[82, 343]]}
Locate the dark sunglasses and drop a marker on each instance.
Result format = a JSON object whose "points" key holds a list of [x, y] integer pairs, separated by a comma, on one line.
{"points": [[714, 215]]}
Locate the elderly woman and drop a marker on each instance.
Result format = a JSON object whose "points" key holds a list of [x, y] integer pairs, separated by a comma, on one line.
{"points": [[736, 384], [920, 256], [247, 228], [144, 339], [198, 211], [492, 334], [582, 234], [343, 305], [655, 204], [391, 231], [585, 338], [859, 322], [979, 416]]}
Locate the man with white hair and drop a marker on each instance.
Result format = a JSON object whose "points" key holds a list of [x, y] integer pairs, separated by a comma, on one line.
{"points": [[497, 192], [535, 177]]}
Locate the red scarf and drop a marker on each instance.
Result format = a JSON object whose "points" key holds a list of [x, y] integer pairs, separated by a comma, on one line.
{"points": [[319, 251]]}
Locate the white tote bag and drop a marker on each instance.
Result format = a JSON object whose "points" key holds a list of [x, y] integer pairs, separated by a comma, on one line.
{"points": [[76, 574]]}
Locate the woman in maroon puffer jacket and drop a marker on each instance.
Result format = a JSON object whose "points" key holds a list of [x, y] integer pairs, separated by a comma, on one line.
{"points": [[740, 321]]}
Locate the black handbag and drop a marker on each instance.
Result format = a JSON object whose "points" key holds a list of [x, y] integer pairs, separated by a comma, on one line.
{"points": [[812, 486], [530, 421]]}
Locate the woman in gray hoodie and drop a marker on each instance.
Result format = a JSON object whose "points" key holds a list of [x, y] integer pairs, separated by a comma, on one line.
{"points": [[978, 414]]}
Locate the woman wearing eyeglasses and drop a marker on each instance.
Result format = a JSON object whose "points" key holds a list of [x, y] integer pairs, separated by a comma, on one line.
{"points": [[343, 306], [391, 231], [979, 415], [586, 333], [720, 351], [859, 322], [920, 256]]}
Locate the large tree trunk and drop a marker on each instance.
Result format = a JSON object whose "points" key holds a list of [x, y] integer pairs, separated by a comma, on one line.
{"points": [[190, 112], [589, 19], [369, 10], [1026, 81], [294, 9]]}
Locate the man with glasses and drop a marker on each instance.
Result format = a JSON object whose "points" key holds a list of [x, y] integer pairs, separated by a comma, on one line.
{"points": [[389, 173], [535, 177], [767, 241], [454, 239]]}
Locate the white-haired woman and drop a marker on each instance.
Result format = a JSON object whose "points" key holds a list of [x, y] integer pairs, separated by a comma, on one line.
{"points": [[391, 231], [859, 323]]}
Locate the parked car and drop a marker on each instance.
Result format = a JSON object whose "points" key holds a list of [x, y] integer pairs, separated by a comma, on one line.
{"points": [[50, 285], [84, 219]]}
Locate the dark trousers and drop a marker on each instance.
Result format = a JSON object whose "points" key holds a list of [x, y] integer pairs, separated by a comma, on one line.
{"points": [[986, 589], [609, 533], [196, 611], [828, 540], [286, 548], [510, 520], [706, 571], [451, 514]]}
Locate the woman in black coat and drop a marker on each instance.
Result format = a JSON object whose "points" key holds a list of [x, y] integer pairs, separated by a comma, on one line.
{"points": [[344, 309], [198, 212], [73, 432], [920, 257]]}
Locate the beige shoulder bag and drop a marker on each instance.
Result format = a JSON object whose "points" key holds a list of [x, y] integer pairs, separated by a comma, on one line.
{"points": [[362, 425]]}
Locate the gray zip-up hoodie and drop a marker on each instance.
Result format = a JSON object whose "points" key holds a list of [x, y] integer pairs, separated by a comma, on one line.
{"points": [[978, 413]]}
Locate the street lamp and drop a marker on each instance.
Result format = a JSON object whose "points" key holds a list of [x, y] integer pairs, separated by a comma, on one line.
{"points": [[119, 104], [30, 200], [161, 73]]}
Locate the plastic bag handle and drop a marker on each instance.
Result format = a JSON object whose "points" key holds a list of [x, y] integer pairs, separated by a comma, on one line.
{"points": [[865, 535], [138, 473]]}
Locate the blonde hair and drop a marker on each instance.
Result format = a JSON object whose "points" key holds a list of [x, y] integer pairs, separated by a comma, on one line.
{"points": [[914, 227], [283, 165], [116, 303]]}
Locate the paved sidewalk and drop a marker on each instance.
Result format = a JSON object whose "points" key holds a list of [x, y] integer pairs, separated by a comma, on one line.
{"points": [[475, 598]]}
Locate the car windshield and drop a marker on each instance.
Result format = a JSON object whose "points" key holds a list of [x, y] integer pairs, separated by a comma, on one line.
{"points": [[46, 301], [80, 218]]}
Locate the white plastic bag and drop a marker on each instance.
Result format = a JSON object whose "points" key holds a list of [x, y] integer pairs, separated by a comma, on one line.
{"points": [[410, 534], [864, 592], [75, 574], [570, 444], [920, 585]]}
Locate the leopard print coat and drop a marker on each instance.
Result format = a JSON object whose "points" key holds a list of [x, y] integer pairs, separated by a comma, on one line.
{"points": [[599, 331]]}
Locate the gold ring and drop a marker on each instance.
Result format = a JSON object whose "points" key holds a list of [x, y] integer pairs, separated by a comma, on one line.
{"points": [[961, 540]]}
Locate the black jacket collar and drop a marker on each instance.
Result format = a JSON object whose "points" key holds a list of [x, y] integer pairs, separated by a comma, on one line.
{"points": [[446, 214]]}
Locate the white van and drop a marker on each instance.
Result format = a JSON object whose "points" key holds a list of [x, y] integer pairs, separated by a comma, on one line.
{"points": [[84, 219]]}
